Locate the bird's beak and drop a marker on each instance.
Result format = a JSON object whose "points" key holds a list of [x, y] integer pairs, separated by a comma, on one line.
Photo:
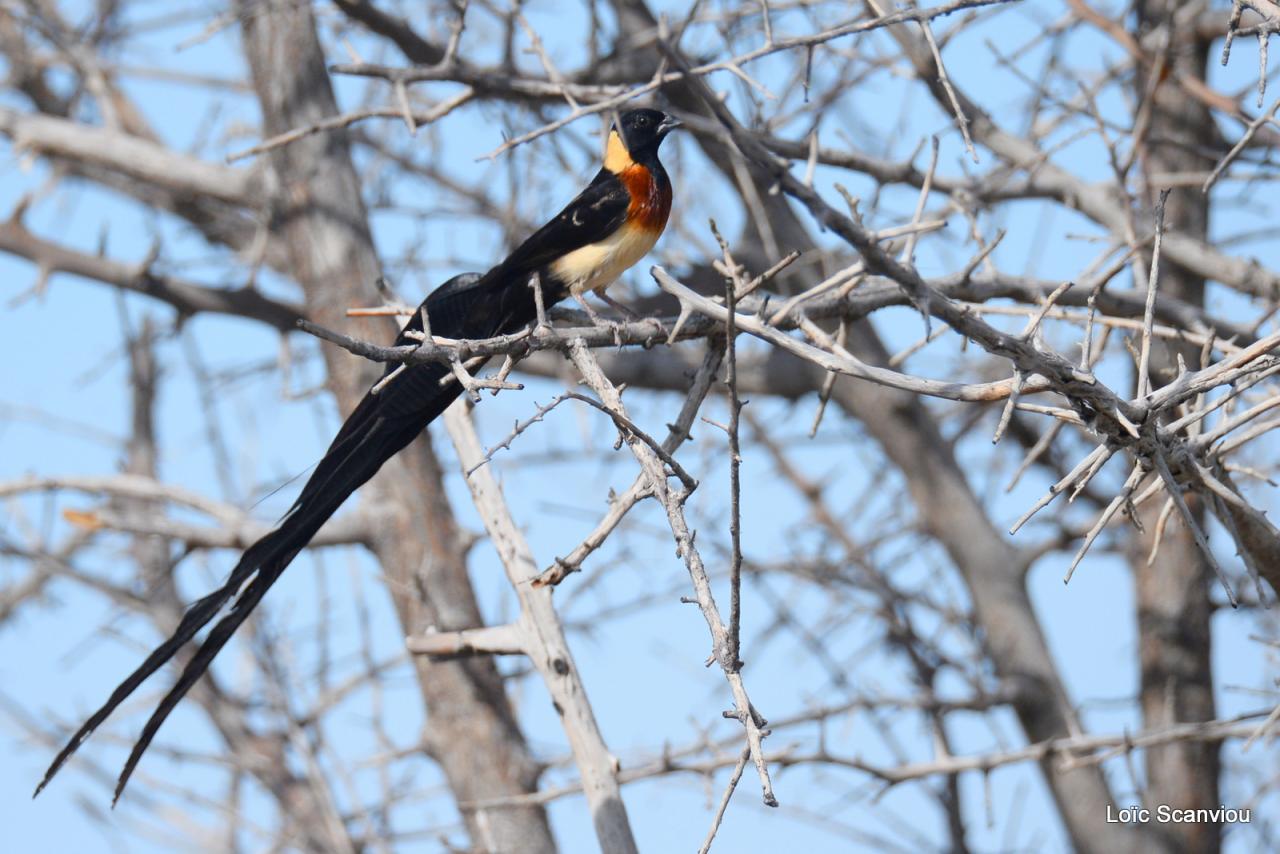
{"points": [[668, 124]]}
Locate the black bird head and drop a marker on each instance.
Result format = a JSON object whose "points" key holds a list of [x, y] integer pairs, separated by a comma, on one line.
{"points": [[643, 130]]}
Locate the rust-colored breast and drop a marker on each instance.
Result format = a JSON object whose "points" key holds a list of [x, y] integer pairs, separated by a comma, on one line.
{"points": [[650, 200]]}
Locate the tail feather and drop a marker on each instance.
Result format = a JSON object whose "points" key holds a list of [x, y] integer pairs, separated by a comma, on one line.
{"points": [[348, 464], [468, 306], [195, 618], [199, 663]]}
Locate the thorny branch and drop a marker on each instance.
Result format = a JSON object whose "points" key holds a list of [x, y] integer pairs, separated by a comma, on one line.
{"points": [[782, 102]]}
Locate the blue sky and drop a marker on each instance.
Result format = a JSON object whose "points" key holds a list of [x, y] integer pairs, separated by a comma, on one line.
{"points": [[62, 354]]}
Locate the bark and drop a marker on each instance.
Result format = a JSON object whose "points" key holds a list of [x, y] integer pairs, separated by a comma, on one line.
{"points": [[319, 214], [1173, 605]]}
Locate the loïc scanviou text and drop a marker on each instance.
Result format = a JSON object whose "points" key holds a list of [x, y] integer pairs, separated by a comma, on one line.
{"points": [[1165, 814]]}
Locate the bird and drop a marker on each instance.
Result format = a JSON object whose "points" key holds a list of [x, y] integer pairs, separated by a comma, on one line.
{"points": [[601, 233]]}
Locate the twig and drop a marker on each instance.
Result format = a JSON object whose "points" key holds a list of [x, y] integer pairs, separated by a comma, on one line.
{"points": [[743, 759], [1148, 315], [399, 111], [1056, 490], [1007, 414], [652, 464], [1175, 493], [1135, 478], [678, 432], [1241, 144], [628, 429], [961, 119], [731, 283], [519, 428]]}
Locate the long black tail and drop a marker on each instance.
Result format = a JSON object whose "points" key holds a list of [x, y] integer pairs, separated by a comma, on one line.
{"points": [[380, 426]]}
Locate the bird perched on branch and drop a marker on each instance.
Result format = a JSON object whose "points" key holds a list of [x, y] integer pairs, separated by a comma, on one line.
{"points": [[610, 226]]}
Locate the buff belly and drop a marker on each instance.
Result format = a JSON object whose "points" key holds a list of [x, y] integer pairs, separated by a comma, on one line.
{"points": [[596, 266]]}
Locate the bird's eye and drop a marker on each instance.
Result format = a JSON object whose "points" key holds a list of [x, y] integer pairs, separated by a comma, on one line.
{"points": [[642, 121]]}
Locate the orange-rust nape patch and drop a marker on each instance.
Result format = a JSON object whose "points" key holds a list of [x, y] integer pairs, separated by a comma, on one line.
{"points": [[650, 202]]}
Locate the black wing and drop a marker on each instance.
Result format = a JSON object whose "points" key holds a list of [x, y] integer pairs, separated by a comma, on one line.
{"points": [[596, 212]]}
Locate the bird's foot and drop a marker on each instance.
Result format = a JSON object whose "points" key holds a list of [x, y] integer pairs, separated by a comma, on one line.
{"points": [[625, 311], [597, 320]]}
